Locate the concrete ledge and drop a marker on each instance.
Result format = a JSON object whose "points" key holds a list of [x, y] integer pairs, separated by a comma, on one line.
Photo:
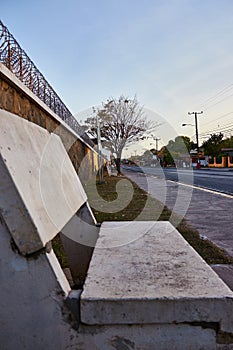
{"points": [[40, 190], [156, 278]]}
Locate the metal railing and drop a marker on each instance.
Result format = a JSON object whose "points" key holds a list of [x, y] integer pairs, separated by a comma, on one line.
{"points": [[18, 62]]}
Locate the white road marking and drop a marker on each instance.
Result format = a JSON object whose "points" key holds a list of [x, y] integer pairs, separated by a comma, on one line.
{"points": [[190, 186], [204, 189]]}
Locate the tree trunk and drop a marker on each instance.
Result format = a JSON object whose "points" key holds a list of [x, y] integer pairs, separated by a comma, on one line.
{"points": [[118, 165]]}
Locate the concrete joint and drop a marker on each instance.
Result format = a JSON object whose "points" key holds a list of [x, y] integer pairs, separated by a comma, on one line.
{"points": [[34, 255], [73, 303]]}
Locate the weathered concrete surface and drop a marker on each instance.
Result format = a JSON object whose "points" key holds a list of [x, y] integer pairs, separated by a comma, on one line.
{"points": [[32, 310], [40, 190], [147, 337], [157, 278]]}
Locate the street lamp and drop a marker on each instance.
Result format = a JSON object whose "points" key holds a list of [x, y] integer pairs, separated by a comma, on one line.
{"points": [[187, 124]]}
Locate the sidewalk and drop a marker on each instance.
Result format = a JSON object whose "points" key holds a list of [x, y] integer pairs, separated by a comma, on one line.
{"points": [[211, 214]]}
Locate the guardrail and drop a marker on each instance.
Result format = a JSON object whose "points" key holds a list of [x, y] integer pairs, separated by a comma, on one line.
{"points": [[18, 62]]}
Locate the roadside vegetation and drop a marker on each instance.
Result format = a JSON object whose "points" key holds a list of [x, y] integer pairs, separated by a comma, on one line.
{"points": [[153, 210]]}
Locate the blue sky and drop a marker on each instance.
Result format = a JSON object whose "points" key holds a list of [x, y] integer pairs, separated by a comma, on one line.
{"points": [[175, 55]]}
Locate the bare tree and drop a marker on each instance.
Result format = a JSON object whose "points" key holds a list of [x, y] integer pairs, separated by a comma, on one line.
{"points": [[122, 122]]}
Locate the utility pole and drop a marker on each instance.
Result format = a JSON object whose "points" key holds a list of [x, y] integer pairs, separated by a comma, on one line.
{"points": [[99, 148], [157, 146], [196, 127]]}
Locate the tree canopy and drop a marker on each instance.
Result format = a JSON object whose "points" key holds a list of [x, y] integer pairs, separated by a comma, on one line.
{"points": [[122, 121], [176, 149], [181, 147], [212, 147]]}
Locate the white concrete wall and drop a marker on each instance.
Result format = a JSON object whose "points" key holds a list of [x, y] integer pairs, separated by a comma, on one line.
{"points": [[39, 193], [32, 310], [40, 190]]}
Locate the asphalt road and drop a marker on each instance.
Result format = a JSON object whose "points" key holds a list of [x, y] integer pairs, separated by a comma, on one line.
{"points": [[219, 180]]}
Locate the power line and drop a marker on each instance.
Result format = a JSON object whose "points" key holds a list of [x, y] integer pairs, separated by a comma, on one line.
{"points": [[221, 92], [220, 117], [225, 98], [225, 126], [225, 130], [225, 133]]}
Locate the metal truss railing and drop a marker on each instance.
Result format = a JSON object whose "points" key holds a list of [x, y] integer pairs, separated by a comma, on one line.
{"points": [[18, 62]]}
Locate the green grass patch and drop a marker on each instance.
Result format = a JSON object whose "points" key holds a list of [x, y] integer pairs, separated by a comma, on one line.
{"points": [[59, 251], [144, 207]]}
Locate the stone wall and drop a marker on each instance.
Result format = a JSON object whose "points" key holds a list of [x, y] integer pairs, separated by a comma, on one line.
{"points": [[16, 98]]}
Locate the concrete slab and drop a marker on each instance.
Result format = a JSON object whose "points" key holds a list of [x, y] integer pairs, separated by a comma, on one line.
{"points": [[156, 278], [40, 190]]}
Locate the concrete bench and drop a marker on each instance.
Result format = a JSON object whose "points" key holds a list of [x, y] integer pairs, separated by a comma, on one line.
{"points": [[154, 292], [146, 288]]}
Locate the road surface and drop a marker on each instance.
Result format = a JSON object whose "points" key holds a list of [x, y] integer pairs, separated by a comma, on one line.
{"points": [[219, 180]]}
